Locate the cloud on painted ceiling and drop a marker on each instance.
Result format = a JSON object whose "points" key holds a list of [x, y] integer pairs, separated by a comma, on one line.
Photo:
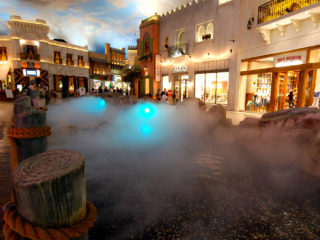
{"points": [[59, 5], [147, 7], [91, 22], [4, 30]]}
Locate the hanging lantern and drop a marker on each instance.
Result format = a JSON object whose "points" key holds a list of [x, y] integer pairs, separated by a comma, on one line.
{"points": [[37, 65], [24, 64]]}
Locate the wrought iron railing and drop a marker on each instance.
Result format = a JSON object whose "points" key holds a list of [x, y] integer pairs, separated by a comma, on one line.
{"points": [[29, 56], [278, 8], [178, 50]]}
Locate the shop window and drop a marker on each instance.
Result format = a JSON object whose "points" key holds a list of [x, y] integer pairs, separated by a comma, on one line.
{"points": [[3, 54], [212, 87], [165, 83]]}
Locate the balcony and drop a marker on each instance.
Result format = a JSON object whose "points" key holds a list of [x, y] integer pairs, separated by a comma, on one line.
{"points": [[178, 50], [277, 8], [30, 56], [278, 14]]}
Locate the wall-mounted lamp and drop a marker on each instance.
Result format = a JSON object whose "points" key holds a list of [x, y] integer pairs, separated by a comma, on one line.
{"points": [[250, 23], [208, 54], [230, 50]]}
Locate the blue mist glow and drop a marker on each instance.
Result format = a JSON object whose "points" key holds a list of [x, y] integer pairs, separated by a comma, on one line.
{"points": [[146, 130], [90, 105], [147, 110]]}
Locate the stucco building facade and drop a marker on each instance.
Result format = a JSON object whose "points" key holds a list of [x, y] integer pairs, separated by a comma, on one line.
{"points": [[28, 54], [240, 52]]}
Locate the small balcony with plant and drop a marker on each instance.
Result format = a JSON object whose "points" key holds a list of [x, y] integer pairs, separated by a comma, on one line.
{"points": [[178, 50]]}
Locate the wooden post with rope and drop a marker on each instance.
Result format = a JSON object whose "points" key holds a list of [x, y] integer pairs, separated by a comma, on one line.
{"points": [[49, 198]]}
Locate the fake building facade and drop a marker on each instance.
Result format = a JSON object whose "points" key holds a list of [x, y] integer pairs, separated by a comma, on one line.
{"points": [[266, 50], [28, 54]]}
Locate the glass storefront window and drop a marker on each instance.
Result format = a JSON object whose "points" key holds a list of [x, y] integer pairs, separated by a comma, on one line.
{"points": [[96, 84], [199, 90], [165, 83], [212, 87], [211, 79], [222, 88]]}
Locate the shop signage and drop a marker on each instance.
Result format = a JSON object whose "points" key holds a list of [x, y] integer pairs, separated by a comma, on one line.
{"points": [[158, 67], [31, 72], [291, 59], [179, 69]]}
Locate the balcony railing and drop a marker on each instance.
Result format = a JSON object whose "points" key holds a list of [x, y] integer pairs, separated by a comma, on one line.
{"points": [[278, 8], [30, 56], [178, 50]]}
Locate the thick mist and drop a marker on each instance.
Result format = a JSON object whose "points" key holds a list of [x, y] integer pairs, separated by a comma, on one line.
{"points": [[157, 171]]}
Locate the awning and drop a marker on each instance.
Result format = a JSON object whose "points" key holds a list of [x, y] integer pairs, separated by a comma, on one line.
{"points": [[4, 69]]}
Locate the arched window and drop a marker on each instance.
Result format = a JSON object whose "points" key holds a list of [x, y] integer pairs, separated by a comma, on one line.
{"points": [[210, 30], [181, 38], [201, 32], [166, 43]]}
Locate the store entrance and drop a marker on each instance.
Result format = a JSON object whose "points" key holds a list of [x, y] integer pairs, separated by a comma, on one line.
{"points": [[181, 86], [288, 85]]}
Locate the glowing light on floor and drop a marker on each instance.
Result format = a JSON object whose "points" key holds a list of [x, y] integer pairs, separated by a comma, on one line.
{"points": [[146, 130]]}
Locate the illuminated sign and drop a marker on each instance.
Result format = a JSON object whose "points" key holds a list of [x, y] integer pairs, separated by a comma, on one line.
{"points": [[292, 59], [180, 69], [116, 78], [31, 72]]}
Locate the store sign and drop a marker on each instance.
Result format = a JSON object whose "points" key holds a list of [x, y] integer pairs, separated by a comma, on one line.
{"points": [[31, 72], [291, 59], [116, 78], [179, 69], [158, 67]]}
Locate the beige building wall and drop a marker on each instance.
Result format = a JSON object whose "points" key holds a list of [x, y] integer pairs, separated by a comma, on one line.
{"points": [[25, 32], [210, 55]]}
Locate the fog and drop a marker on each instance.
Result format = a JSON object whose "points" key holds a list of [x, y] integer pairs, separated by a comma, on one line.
{"points": [[157, 171]]}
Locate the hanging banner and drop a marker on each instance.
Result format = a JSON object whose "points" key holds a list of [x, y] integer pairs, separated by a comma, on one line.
{"points": [[158, 67]]}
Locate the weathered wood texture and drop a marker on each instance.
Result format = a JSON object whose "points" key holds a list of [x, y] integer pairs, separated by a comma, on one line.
{"points": [[27, 117], [50, 188]]}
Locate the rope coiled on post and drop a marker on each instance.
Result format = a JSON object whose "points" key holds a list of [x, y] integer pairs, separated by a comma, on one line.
{"points": [[15, 226], [24, 133]]}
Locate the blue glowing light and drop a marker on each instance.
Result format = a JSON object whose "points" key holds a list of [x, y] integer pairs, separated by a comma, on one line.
{"points": [[146, 130], [147, 110]]}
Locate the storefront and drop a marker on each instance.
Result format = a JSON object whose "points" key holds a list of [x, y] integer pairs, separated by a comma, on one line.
{"points": [[68, 85], [25, 76], [212, 87], [283, 81], [206, 81]]}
